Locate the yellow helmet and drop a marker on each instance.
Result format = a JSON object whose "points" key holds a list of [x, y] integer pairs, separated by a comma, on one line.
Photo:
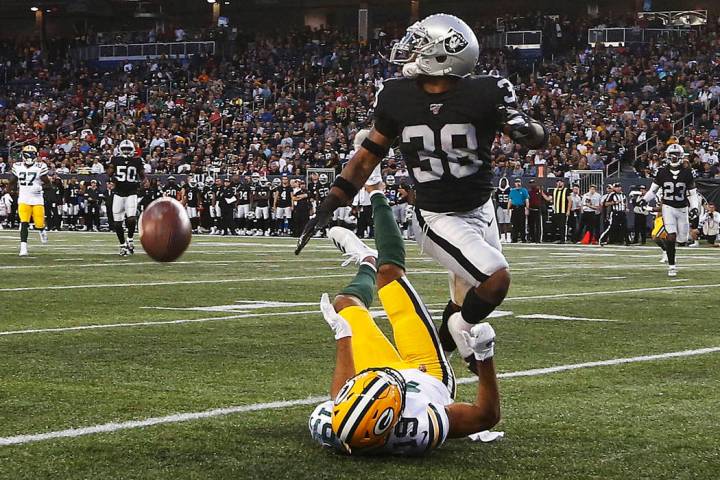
{"points": [[367, 408], [29, 154]]}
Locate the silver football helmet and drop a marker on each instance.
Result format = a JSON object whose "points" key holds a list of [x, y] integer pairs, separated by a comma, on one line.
{"points": [[390, 180], [127, 149], [438, 45], [323, 179], [675, 154]]}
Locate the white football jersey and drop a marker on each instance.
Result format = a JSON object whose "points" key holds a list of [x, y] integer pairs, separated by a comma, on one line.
{"points": [[423, 426], [30, 185]]}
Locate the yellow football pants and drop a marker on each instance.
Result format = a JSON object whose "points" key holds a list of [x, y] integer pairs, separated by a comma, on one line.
{"points": [[416, 338], [36, 212]]}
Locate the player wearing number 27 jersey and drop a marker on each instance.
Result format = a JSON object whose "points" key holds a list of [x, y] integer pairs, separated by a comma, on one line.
{"points": [[445, 120], [30, 175]]}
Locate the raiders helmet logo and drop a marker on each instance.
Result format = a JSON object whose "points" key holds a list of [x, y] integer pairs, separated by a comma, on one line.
{"points": [[455, 42], [435, 108]]}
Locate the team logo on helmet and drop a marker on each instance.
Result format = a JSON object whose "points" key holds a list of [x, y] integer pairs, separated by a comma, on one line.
{"points": [[435, 108], [455, 42]]}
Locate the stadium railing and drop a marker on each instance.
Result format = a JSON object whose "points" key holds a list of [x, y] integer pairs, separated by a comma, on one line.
{"points": [[618, 37]]}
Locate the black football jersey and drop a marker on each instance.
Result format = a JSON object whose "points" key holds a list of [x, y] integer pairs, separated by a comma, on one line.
{"points": [[171, 190], [192, 196], [674, 187], [261, 195], [127, 175], [502, 197], [242, 193], [207, 196], [71, 193], [323, 191], [285, 196], [445, 138], [391, 193]]}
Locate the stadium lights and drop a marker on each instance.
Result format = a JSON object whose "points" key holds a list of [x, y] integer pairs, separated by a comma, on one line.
{"points": [[34, 9], [211, 1]]}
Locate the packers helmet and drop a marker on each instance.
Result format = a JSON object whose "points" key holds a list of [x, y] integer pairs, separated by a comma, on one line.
{"points": [[367, 408], [675, 154], [29, 155]]}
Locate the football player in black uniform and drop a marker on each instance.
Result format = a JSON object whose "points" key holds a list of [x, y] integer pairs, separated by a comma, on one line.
{"points": [[260, 194], [677, 191], [72, 203], [283, 206], [502, 210], [171, 188], [446, 120], [208, 199], [242, 209], [190, 197], [127, 172], [226, 201]]}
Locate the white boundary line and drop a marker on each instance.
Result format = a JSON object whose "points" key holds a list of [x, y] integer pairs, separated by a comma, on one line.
{"points": [[543, 316], [250, 315], [217, 412]]}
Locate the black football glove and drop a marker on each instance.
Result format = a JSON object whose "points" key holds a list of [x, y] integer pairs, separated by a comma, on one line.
{"points": [[322, 217], [693, 214], [522, 128]]}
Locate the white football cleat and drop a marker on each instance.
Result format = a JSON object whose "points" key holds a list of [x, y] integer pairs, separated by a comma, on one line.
{"points": [[130, 246], [350, 245], [23, 249], [43, 236], [672, 271], [695, 244], [123, 251], [664, 258]]}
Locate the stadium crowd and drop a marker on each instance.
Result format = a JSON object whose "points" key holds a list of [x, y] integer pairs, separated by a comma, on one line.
{"points": [[280, 104]]}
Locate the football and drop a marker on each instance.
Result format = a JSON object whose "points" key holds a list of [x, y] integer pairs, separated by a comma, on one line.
{"points": [[165, 231]]}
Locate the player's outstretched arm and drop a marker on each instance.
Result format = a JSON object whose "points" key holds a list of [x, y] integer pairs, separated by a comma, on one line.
{"points": [[484, 413], [344, 363], [346, 185], [522, 128]]}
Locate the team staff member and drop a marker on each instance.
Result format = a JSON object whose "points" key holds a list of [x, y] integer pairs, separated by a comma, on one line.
{"points": [[227, 199], [641, 215], [575, 212], [590, 217], [710, 222], [519, 207], [616, 204], [535, 214], [561, 210]]}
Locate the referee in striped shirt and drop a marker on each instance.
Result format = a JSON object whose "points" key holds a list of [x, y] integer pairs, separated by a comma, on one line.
{"points": [[561, 210], [617, 231]]}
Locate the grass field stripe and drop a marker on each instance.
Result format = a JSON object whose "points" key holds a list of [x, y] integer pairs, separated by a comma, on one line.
{"points": [[612, 292], [542, 316], [185, 417]]}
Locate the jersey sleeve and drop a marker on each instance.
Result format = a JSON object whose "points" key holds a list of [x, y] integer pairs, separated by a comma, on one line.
{"points": [[16, 169], [384, 121], [421, 433], [690, 181], [42, 170], [504, 92]]}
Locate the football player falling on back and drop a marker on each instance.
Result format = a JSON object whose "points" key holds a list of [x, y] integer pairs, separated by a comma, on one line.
{"points": [[677, 191], [395, 399], [446, 120]]}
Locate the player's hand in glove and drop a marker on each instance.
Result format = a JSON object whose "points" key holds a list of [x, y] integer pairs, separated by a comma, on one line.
{"points": [[338, 324], [641, 203], [322, 217], [693, 214], [522, 128], [481, 341]]}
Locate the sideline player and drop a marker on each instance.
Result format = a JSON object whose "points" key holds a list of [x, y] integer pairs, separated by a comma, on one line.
{"points": [[677, 191], [446, 120], [127, 173], [30, 176], [190, 198], [395, 399]]}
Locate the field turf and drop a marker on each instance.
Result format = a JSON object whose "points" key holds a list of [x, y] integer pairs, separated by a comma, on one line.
{"points": [[234, 324]]}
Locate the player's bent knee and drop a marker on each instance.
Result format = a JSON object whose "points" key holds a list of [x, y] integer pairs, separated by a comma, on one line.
{"points": [[342, 302], [495, 289], [388, 273]]}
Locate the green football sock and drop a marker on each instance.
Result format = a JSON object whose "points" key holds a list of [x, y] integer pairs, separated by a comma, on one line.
{"points": [[388, 239], [363, 285]]}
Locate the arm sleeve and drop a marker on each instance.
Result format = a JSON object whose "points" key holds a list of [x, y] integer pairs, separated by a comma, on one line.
{"points": [[693, 198], [651, 194], [15, 169], [384, 122]]}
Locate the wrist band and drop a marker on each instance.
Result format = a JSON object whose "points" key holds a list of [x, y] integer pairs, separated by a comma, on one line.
{"points": [[348, 188], [374, 148]]}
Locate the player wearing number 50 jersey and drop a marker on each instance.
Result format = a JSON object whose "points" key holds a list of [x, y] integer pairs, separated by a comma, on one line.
{"points": [[30, 176], [675, 185], [127, 173], [398, 398], [445, 120]]}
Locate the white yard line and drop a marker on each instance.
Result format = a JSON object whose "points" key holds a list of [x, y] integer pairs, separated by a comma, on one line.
{"points": [[254, 407], [542, 316], [611, 292]]}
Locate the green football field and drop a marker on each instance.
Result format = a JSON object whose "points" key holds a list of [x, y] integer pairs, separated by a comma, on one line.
{"points": [[208, 368]]}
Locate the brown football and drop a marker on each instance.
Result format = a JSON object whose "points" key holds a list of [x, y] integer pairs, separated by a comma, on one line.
{"points": [[165, 230]]}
